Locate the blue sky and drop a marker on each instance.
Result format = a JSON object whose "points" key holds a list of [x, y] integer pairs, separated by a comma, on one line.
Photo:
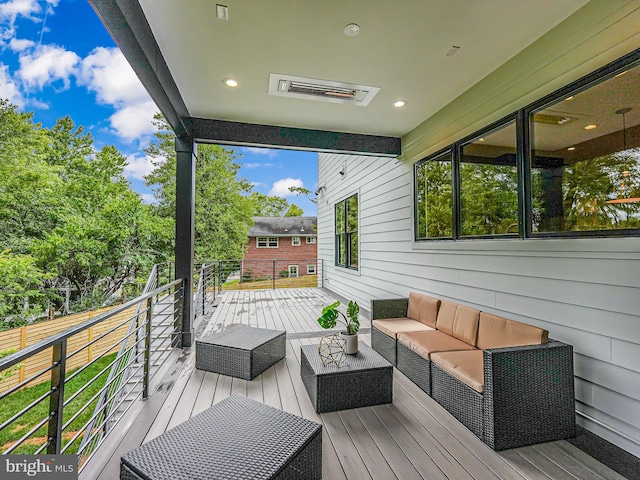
{"points": [[57, 59]]}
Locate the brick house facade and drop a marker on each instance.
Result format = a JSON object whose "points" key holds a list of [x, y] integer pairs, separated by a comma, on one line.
{"points": [[281, 246]]}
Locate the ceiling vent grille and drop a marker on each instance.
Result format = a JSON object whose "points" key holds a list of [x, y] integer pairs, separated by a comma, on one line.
{"points": [[321, 90]]}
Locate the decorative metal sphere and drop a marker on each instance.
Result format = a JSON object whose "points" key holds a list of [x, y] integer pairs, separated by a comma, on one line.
{"points": [[331, 350]]}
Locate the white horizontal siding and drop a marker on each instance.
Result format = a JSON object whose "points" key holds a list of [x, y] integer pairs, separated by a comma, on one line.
{"points": [[586, 292]]}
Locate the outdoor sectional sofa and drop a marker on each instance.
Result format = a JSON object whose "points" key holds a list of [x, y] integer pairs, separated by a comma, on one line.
{"points": [[506, 381]]}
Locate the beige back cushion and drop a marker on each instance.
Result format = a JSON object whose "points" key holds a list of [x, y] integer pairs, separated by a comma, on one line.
{"points": [[413, 310], [465, 325], [496, 332], [446, 315], [429, 310]]}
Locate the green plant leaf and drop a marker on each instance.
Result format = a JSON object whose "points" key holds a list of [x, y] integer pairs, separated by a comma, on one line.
{"points": [[328, 318], [333, 306]]}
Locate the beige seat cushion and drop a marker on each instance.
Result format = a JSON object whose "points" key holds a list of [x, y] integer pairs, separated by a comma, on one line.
{"points": [[465, 366], [423, 308], [393, 326], [496, 332], [426, 343], [459, 321]]}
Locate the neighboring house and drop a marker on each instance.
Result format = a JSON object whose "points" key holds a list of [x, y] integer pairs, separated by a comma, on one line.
{"points": [[281, 246]]}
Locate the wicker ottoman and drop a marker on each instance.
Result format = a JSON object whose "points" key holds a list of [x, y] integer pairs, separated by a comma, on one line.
{"points": [[236, 438], [365, 379], [242, 352]]}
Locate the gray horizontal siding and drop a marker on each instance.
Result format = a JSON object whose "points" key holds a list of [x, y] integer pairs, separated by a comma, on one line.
{"points": [[586, 292]]}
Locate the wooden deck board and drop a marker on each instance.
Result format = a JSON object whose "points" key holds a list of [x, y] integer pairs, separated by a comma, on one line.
{"points": [[411, 438]]}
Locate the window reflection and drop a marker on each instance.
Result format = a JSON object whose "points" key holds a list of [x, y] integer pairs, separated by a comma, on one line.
{"points": [[585, 169], [434, 209], [489, 184]]}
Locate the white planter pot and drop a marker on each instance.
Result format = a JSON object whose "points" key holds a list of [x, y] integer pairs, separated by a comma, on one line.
{"points": [[351, 346]]}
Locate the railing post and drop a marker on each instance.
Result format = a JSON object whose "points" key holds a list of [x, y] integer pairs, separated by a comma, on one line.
{"points": [[56, 400], [204, 289], [274, 274], [147, 349]]}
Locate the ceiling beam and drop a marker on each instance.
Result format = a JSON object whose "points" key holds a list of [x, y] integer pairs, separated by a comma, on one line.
{"points": [[128, 26], [235, 133]]}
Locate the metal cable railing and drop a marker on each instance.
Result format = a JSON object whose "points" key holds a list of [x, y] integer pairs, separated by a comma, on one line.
{"points": [[206, 288], [63, 415]]}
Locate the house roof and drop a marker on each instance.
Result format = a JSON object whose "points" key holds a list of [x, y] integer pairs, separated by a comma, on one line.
{"points": [[284, 226]]}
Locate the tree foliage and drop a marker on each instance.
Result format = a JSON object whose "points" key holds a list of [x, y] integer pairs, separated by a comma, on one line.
{"points": [[68, 216], [223, 206]]}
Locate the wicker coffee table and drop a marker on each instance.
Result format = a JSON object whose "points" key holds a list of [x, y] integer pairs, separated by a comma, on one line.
{"points": [[241, 351], [365, 379], [236, 438]]}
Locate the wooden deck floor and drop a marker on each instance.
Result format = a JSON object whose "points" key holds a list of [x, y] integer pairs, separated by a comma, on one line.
{"points": [[411, 438]]}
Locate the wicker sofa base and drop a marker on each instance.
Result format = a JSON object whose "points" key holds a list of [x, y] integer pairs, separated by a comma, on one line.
{"points": [[528, 397], [415, 367], [384, 345], [460, 400]]}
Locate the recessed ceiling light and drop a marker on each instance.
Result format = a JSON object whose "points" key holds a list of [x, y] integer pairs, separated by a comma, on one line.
{"points": [[569, 98], [231, 82], [399, 103], [481, 139], [571, 149], [591, 126], [352, 30], [622, 73]]}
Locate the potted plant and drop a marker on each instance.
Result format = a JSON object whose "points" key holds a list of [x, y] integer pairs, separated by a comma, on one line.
{"points": [[331, 316]]}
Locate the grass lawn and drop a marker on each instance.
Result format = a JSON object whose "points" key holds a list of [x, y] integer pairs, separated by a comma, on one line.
{"points": [[19, 400]]}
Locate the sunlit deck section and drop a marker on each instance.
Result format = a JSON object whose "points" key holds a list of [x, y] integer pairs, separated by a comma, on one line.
{"points": [[411, 438]]}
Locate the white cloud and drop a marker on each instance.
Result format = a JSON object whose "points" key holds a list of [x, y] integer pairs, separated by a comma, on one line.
{"points": [[47, 65], [14, 8], [262, 151], [137, 167], [281, 187], [35, 103], [106, 72], [148, 198], [134, 121], [9, 90], [18, 45], [251, 166]]}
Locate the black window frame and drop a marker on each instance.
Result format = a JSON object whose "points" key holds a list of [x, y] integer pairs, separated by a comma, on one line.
{"points": [[524, 154], [348, 234]]}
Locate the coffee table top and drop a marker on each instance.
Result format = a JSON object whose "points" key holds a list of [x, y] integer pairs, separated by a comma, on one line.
{"points": [[236, 438], [365, 359], [242, 336]]}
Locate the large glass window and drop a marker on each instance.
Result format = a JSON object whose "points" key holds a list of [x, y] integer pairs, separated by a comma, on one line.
{"points": [[346, 214], [585, 167], [489, 184], [434, 207]]}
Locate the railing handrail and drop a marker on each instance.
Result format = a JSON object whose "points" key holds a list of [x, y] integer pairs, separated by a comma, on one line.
{"points": [[31, 350]]}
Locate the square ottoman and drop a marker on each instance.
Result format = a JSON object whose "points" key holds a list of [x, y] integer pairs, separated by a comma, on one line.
{"points": [[237, 438], [241, 351]]}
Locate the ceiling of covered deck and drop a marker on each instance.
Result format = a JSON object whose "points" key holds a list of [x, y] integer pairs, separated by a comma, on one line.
{"points": [[183, 52]]}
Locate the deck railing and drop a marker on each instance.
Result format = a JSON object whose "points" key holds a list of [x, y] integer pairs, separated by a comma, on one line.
{"points": [[268, 273], [60, 412], [208, 283], [122, 376]]}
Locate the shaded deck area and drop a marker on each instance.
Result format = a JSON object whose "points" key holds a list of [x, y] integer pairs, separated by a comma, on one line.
{"points": [[411, 438]]}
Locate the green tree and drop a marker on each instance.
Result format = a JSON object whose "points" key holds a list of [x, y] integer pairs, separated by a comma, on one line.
{"points": [[21, 293], [223, 207], [267, 206], [30, 200], [294, 211]]}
